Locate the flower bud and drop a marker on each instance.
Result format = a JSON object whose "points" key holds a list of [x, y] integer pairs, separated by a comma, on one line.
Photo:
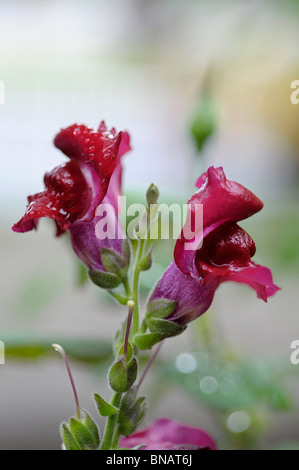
{"points": [[152, 195], [123, 372], [204, 122], [146, 262]]}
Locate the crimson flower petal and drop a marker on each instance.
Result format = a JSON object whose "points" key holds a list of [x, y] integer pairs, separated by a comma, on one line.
{"points": [[225, 253], [222, 201], [98, 154], [65, 199], [75, 189]]}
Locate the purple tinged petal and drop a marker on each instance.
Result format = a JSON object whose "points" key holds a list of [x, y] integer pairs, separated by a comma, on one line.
{"points": [[166, 434], [192, 296]]}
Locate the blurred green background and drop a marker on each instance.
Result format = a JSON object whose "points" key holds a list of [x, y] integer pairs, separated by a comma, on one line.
{"points": [[196, 83]]}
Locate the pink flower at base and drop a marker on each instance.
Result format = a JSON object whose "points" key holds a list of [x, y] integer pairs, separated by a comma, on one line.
{"points": [[75, 189], [224, 253], [166, 434]]}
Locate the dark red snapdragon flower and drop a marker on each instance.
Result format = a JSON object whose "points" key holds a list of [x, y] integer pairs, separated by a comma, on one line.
{"points": [[74, 190], [166, 434], [220, 251]]}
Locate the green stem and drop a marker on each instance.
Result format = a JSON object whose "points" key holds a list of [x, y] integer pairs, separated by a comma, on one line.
{"points": [[135, 287], [116, 438], [111, 423], [119, 298], [127, 288], [143, 328]]}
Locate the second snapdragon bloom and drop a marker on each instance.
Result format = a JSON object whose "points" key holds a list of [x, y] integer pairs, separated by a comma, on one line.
{"points": [[220, 251], [75, 190]]}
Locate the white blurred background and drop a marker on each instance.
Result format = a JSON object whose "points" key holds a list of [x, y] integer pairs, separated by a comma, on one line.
{"points": [[141, 65]]}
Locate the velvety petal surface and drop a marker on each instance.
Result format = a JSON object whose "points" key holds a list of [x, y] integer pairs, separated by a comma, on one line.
{"points": [[65, 199], [87, 237], [226, 255], [222, 201], [193, 297], [75, 189]]}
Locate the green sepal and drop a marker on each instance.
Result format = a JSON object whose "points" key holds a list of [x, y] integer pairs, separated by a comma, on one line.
{"points": [[104, 408], [80, 434], [129, 351], [146, 262], [122, 374], [119, 337], [160, 308], [165, 327], [104, 279], [114, 263], [132, 369], [126, 250], [148, 340], [68, 439], [92, 428], [132, 412]]}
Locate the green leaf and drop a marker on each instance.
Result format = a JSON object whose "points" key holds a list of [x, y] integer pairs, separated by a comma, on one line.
{"points": [[27, 347], [104, 408]]}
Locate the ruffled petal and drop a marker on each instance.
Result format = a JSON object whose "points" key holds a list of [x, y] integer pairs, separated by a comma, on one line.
{"points": [[226, 255], [65, 199], [222, 201], [75, 189], [258, 277], [98, 153]]}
